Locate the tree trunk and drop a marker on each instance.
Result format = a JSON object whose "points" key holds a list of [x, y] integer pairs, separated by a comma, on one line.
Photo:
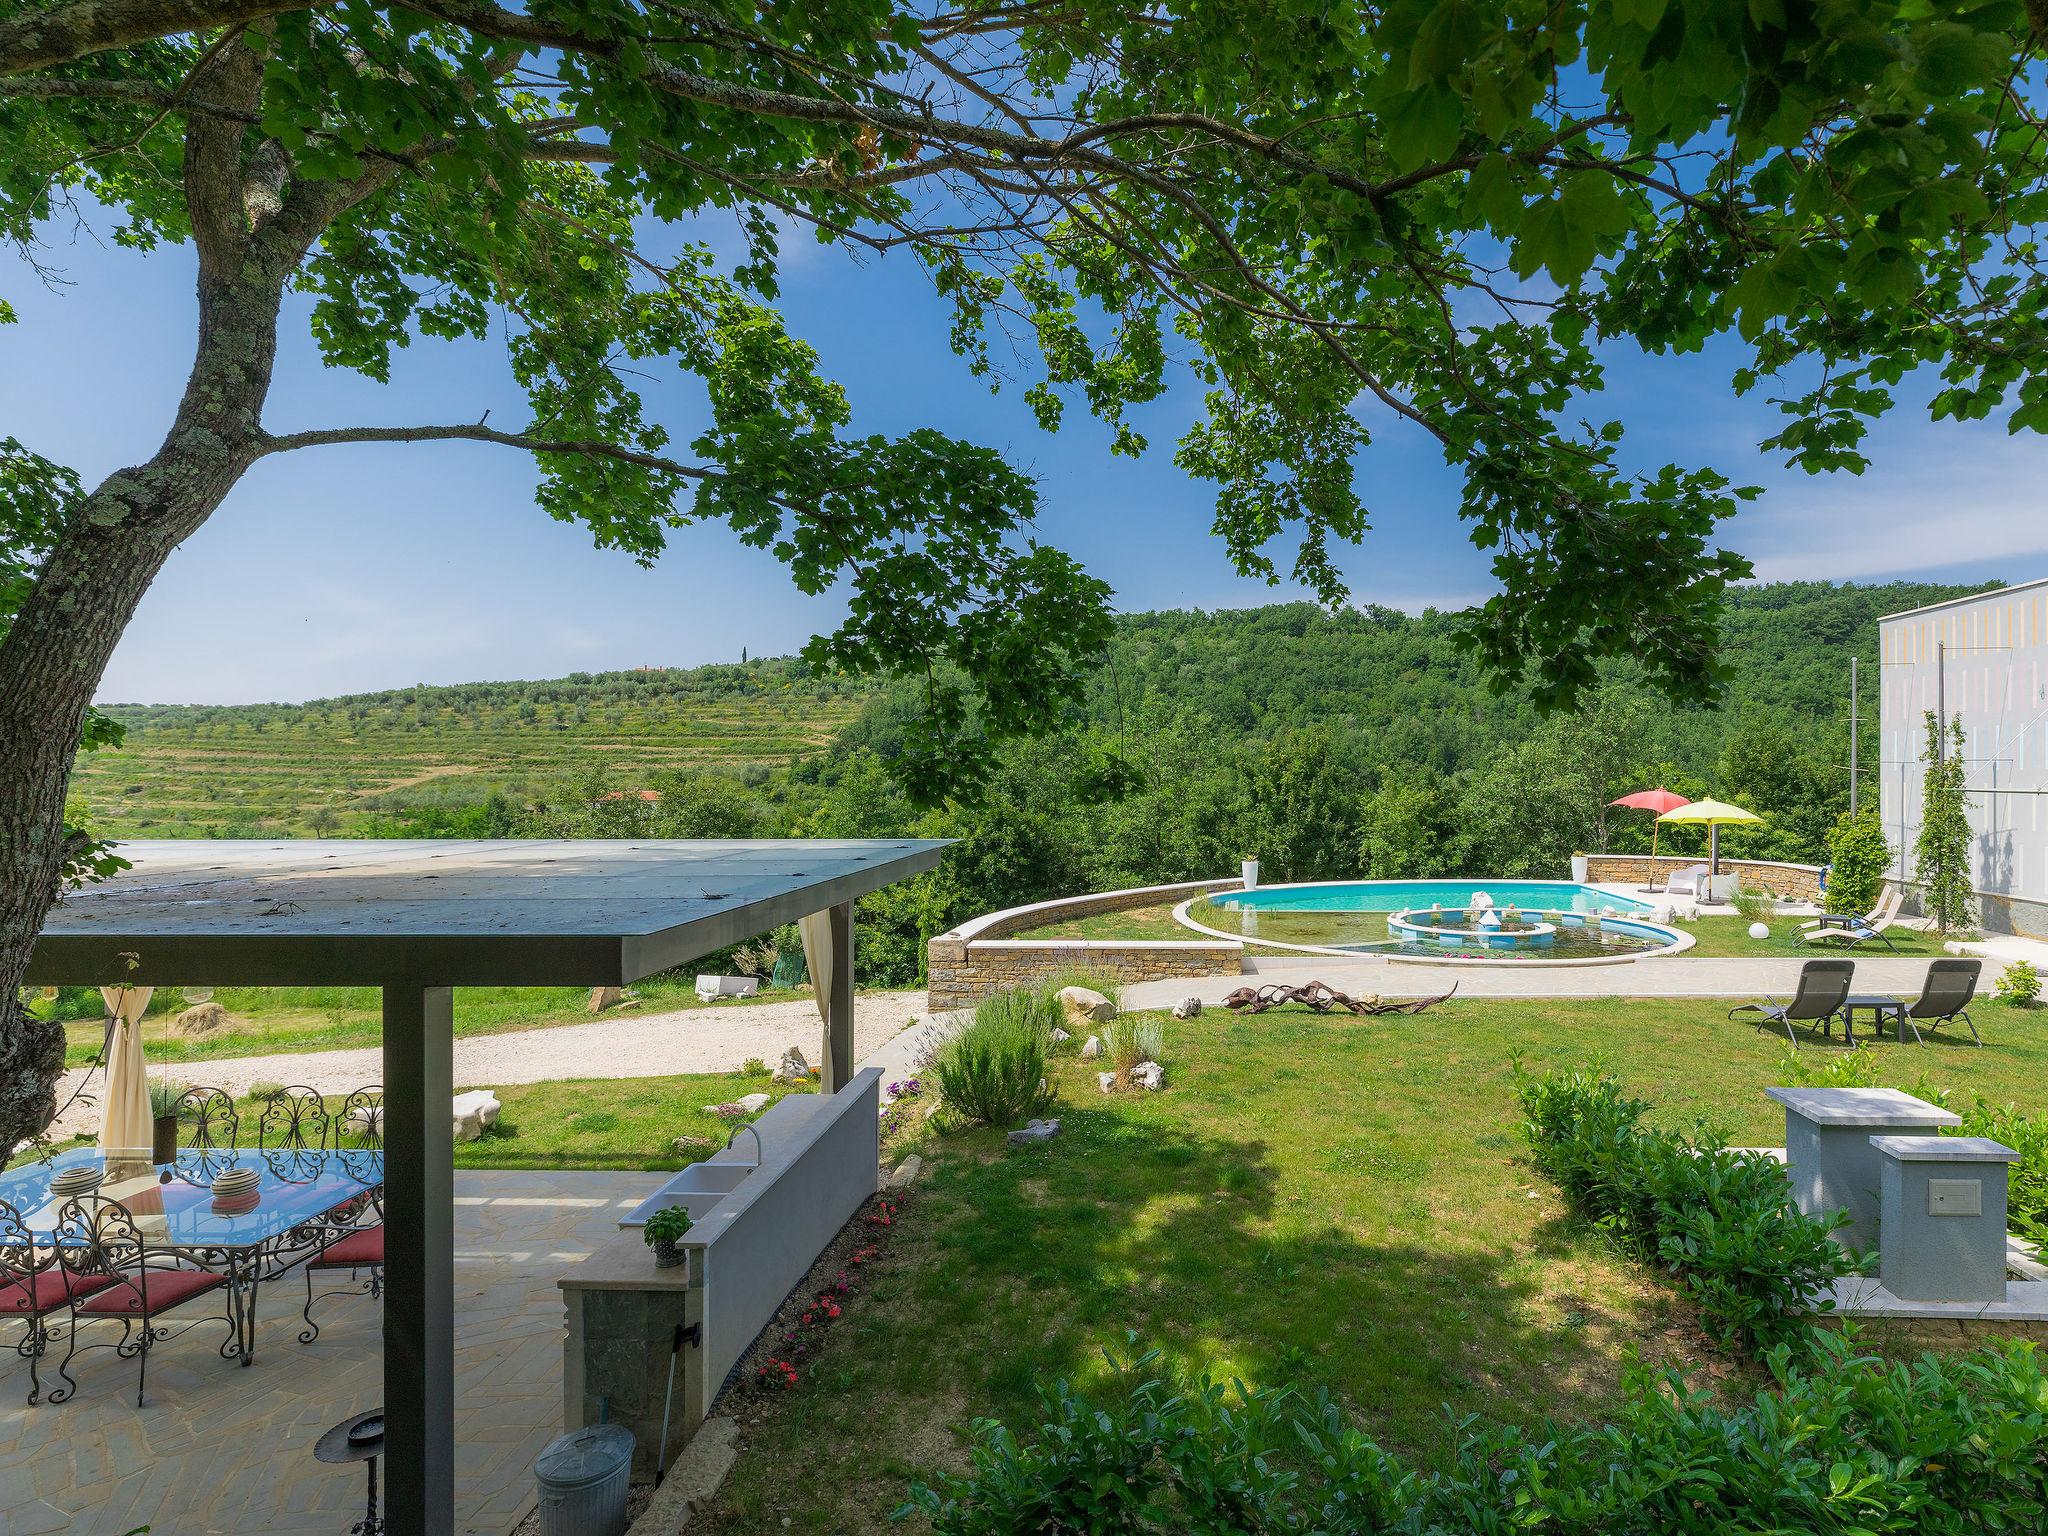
{"points": [[57, 648]]}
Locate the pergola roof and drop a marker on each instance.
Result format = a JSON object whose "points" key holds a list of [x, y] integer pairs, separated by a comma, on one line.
{"points": [[504, 913]]}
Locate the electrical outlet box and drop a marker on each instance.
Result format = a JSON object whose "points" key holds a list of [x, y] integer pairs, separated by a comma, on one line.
{"points": [[1955, 1197]]}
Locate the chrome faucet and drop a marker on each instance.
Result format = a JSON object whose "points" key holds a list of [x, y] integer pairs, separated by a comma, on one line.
{"points": [[735, 1136]]}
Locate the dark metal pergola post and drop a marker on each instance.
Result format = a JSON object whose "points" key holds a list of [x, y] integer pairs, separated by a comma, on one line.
{"points": [[837, 1066], [419, 1272]]}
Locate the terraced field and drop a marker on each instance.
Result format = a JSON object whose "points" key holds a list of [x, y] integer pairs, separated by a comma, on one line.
{"points": [[274, 770]]}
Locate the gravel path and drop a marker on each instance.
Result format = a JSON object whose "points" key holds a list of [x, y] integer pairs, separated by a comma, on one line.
{"points": [[627, 1044]]}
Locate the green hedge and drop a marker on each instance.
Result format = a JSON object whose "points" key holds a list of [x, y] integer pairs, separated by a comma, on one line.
{"points": [[1720, 1221], [1850, 1446]]}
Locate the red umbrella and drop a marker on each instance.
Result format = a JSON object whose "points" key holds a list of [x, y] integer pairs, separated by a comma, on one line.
{"points": [[1657, 802]]}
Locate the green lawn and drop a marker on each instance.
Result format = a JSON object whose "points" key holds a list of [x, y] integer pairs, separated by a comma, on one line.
{"points": [[630, 1122], [270, 1019], [613, 1122], [1335, 1201]]}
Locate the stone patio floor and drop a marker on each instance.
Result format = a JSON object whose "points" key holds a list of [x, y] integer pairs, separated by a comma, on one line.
{"points": [[223, 1449]]}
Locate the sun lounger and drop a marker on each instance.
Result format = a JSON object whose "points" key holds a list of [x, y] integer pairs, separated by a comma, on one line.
{"points": [[1848, 932], [1818, 999]]}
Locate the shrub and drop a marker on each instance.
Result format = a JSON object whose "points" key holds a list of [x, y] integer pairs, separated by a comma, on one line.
{"points": [[1858, 857], [1127, 1041], [1948, 1444], [2026, 1191], [1719, 1220], [2018, 984], [1756, 904], [993, 1069]]}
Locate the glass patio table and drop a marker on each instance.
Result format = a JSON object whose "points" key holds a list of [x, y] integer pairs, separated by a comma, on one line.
{"points": [[289, 1215]]}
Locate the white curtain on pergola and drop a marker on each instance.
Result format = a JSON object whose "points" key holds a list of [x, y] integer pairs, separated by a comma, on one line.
{"points": [[126, 1124], [816, 931]]}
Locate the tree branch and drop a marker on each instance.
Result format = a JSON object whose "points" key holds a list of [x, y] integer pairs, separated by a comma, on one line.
{"points": [[38, 39]]}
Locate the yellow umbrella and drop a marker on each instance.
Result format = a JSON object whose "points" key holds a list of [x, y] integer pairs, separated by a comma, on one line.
{"points": [[1714, 814], [126, 1125]]}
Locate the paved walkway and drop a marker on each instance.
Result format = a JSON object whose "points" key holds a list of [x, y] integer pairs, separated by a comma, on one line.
{"points": [[223, 1449], [621, 1044], [1675, 976]]}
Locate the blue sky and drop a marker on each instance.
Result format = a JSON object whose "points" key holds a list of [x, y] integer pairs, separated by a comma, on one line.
{"points": [[347, 569]]}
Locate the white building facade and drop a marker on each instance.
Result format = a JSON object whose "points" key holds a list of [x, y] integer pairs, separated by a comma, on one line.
{"points": [[1984, 661]]}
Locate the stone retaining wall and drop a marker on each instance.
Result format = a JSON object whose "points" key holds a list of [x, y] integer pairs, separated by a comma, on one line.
{"points": [[1789, 882], [972, 961], [1910, 1335]]}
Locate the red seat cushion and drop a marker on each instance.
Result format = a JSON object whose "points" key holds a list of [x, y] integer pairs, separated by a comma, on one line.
{"points": [[46, 1292], [358, 1250], [167, 1288]]}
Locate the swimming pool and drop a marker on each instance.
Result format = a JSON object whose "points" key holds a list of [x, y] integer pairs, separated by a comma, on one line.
{"points": [[1580, 923], [1395, 895]]}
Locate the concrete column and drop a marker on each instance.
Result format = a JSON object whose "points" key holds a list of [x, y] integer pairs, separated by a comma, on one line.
{"points": [[836, 1061], [419, 1251], [1943, 1215], [1832, 1165]]}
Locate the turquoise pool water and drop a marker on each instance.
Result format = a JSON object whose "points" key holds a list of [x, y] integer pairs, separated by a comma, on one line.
{"points": [[1394, 895]]}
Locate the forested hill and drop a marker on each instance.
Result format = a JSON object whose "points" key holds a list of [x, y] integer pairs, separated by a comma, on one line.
{"points": [[1360, 742], [1403, 683]]}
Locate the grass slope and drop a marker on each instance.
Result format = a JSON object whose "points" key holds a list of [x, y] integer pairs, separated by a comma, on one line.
{"points": [[1323, 1200]]}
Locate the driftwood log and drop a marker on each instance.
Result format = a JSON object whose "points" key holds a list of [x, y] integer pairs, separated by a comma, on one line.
{"points": [[1321, 997]]}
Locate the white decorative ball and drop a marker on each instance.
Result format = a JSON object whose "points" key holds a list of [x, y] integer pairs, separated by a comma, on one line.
{"points": [[1759, 931]]}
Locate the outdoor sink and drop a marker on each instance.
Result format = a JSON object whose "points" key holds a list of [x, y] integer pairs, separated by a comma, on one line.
{"points": [[709, 1178], [697, 1189]]}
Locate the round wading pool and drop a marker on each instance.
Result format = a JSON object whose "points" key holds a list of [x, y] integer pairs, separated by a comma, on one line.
{"points": [[1442, 920]]}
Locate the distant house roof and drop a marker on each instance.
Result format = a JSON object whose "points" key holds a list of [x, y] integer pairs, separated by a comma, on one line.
{"points": [[471, 913]]}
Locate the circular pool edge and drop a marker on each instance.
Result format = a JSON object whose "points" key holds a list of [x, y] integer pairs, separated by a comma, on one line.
{"points": [[1680, 940]]}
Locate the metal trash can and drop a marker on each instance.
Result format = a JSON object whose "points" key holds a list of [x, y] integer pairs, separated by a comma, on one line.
{"points": [[584, 1476]]}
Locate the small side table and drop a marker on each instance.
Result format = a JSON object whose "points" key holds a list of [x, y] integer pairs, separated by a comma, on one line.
{"points": [[1879, 1008], [358, 1439]]}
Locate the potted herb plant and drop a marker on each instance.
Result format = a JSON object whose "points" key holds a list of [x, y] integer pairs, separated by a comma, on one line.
{"points": [[664, 1230], [163, 1109]]}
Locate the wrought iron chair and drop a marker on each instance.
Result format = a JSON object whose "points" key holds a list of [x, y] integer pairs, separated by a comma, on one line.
{"points": [[208, 1125], [294, 1119], [33, 1288], [291, 1134], [116, 1275], [357, 1243]]}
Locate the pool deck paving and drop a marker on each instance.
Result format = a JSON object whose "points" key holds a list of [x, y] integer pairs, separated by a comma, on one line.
{"points": [[220, 1448]]}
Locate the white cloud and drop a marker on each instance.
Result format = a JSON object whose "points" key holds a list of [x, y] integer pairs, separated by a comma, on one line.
{"points": [[1937, 495]]}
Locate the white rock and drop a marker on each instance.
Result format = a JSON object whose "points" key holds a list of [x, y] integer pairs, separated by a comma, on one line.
{"points": [[1188, 1008], [469, 1126], [906, 1172], [1091, 1050], [1107, 1080], [792, 1068], [1149, 1075], [1036, 1131], [1084, 1007], [482, 1100], [1060, 1037], [754, 1103], [365, 1120]]}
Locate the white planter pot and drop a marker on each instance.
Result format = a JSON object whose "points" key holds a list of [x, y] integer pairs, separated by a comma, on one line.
{"points": [[1251, 874], [1578, 869]]}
